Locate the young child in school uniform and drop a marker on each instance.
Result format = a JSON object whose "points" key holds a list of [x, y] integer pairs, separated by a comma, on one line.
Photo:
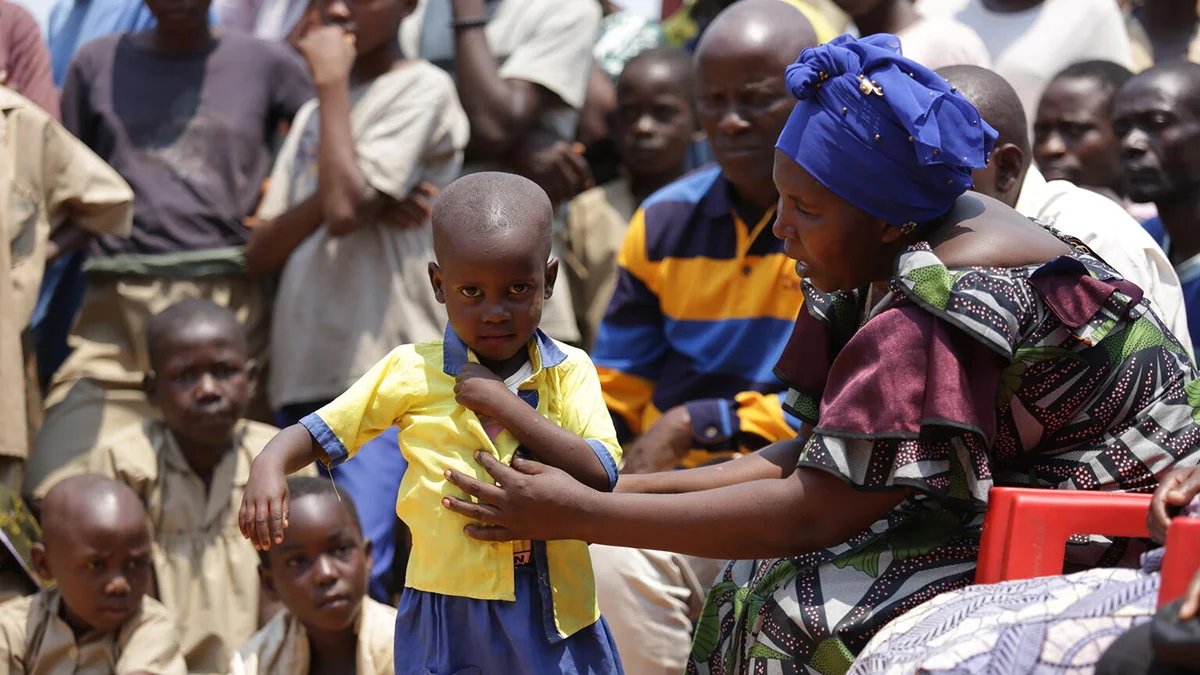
{"points": [[96, 620], [189, 467], [495, 383], [320, 574]]}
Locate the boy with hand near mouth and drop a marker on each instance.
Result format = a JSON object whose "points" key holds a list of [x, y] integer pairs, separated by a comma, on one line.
{"points": [[320, 574], [495, 382], [96, 620]]}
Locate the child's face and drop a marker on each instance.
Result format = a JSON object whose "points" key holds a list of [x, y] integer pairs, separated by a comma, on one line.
{"points": [[653, 124], [374, 23], [201, 382], [101, 566], [493, 294], [320, 570]]}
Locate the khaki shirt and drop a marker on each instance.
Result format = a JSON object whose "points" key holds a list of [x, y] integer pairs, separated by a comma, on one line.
{"points": [[281, 647], [47, 177], [34, 640], [207, 573]]}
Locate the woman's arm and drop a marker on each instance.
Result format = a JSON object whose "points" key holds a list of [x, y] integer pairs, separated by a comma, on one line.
{"points": [[777, 460], [808, 511]]}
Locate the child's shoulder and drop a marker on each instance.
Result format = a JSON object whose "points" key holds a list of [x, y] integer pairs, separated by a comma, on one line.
{"points": [[256, 435]]}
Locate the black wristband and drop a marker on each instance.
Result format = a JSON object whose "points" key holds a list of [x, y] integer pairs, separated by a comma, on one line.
{"points": [[463, 24]]}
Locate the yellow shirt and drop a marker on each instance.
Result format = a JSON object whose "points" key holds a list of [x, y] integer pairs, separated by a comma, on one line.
{"points": [[413, 389]]}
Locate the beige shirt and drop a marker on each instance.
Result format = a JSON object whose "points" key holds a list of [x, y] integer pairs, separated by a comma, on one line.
{"points": [[206, 572], [281, 647], [344, 302], [596, 223], [546, 42], [1115, 236], [47, 177], [34, 640]]}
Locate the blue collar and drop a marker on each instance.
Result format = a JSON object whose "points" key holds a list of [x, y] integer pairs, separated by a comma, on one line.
{"points": [[544, 353]]}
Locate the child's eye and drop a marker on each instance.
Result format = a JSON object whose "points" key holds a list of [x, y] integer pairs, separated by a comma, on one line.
{"points": [[294, 562], [470, 291], [517, 289], [94, 565], [345, 550]]}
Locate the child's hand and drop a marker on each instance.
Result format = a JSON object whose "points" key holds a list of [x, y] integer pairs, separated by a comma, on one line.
{"points": [[330, 53], [264, 512], [478, 389]]}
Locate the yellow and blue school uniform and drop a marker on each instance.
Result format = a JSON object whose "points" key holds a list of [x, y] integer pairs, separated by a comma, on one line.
{"points": [[470, 603]]}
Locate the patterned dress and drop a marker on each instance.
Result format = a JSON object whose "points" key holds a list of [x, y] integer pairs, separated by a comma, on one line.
{"points": [[1055, 375]]}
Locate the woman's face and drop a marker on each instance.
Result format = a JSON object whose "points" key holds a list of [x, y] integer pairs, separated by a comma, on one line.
{"points": [[836, 246]]}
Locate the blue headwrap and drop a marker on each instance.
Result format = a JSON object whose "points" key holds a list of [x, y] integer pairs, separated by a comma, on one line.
{"points": [[881, 131]]}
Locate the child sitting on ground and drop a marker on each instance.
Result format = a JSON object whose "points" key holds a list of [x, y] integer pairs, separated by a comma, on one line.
{"points": [[654, 126], [189, 468], [96, 619], [495, 383], [320, 574]]}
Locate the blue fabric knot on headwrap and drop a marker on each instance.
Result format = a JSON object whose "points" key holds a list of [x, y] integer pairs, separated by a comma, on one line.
{"points": [[881, 131]]}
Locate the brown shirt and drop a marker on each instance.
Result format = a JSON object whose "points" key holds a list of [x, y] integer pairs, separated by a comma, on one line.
{"points": [[34, 640], [47, 177]]}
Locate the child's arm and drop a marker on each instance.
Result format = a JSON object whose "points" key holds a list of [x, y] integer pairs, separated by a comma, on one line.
{"points": [[264, 512], [481, 391]]}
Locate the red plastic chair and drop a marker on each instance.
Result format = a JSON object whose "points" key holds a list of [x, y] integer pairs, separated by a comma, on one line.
{"points": [[1182, 560], [1025, 534]]}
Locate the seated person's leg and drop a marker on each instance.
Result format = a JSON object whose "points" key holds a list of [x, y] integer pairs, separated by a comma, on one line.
{"points": [[650, 599]]}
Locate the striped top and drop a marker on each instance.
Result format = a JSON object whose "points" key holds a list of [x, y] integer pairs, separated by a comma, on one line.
{"points": [[703, 307]]}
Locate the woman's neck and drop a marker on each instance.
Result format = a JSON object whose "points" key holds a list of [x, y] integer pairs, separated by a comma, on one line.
{"points": [[1180, 217], [889, 16]]}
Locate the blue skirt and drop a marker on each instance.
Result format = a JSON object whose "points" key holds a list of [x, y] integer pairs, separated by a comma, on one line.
{"points": [[447, 635]]}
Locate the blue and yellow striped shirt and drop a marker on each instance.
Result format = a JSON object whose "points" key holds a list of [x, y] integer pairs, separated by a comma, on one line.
{"points": [[703, 307]]}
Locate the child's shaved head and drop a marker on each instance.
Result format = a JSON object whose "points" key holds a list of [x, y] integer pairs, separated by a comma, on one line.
{"points": [[492, 208], [491, 237], [179, 319], [96, 546]]}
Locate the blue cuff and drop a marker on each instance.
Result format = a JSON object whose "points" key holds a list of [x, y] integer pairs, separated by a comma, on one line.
{"points": [[715, 423], [606, 458], [329, 442]]}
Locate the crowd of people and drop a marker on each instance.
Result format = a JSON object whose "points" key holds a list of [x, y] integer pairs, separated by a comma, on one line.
{"points": [[590, 336]]}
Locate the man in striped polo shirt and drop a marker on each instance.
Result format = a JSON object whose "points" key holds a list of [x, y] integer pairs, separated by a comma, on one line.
{"points": [[705, 301]]}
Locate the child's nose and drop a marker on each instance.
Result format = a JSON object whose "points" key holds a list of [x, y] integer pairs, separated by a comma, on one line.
{"points": [[118, 585]]}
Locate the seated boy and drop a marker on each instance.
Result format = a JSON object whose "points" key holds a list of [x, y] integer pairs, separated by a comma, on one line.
{"points": [[320, 574], [495, 384], [96, 620], [189, 467], [653, 126]]}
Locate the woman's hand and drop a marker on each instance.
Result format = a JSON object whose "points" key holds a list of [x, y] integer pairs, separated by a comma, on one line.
{"points": [[530, 500], [1174, 493]]}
